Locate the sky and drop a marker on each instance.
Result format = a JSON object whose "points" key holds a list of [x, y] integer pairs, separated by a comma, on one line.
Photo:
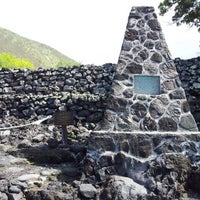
{"points": [[89, 31]]}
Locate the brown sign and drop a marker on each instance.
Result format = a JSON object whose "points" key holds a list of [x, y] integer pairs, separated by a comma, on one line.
{"points": [[63, 118]]}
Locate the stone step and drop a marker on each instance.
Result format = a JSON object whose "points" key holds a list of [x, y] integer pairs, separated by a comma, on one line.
{"points": [[146, 145]]}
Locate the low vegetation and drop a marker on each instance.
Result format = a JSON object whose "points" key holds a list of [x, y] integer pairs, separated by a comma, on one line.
{"points": [[67, 63], [10, 61], [37, 53]]}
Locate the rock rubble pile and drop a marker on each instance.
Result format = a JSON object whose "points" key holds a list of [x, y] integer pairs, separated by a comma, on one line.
{"points": [[34, 164]]}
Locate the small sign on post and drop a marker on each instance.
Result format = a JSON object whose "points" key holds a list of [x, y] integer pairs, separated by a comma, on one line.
{"points": [[64, 118]]}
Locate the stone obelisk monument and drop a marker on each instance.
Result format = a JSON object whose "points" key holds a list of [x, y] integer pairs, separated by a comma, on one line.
{"points": [[147, 93]]}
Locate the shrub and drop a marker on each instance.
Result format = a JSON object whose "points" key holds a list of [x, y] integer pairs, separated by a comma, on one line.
{"points": [[69, 64], [10, 61]]}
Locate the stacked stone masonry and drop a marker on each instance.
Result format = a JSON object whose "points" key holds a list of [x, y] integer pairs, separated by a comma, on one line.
{"points": [[31, 94], [144, 52], [35, 94], [87, 79], [189, 73], [165, 164], [142, 145]]}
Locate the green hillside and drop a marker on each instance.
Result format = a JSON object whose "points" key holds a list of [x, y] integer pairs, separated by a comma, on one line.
{"points": [[39, 54]]}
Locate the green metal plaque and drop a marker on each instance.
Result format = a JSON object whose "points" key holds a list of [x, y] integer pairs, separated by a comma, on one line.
{"points": [[145, 84]]}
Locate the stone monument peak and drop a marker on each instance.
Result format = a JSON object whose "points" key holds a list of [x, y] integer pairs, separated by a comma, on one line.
{"points": [[146, 90]]}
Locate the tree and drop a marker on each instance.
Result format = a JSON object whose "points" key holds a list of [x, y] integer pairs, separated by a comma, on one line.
{"points": [[185, 11]]}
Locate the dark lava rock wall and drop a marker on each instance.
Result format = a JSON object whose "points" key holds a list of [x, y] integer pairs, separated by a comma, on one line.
{"points": [[189, 73], [166, 165], [30, 94], [33, 94], [87, 79]]}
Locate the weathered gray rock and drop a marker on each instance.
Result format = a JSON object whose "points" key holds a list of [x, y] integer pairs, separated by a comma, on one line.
{"points": [[131, 35], [38, 138], [3, 196], [149, 44], [143, 54], [140, 146], [168, 70], [177, 94], [128, 93], [185, 107], [122, 188], [168, 85], [19, 184], [152, 35], [187, 122], [95, 117], [149, 124], [71, 171], [15, 196], [14, 189], [138, 109], [9, 160], [4, 148], [178, 164], [167, 124], [154, 25], [126, 46], [106, 143], [117, 104], [88, 190], [156, 57], [150, 68], [134, 68], [106, 160], [156, 108], [70, 81], [27, 177], [174, 110]]}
